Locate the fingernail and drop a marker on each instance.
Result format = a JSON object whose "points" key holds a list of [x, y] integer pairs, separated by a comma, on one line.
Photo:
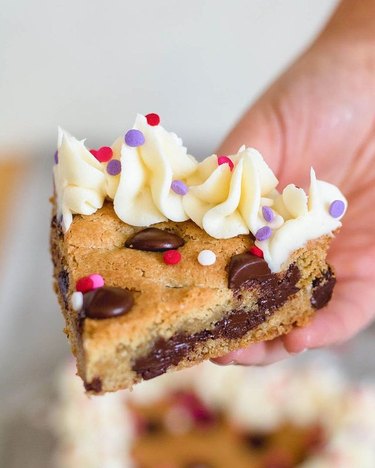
{"points": [[223, 364], [299, 352]]}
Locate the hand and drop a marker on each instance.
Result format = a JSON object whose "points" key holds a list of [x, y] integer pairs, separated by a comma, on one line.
{"points": [[321, 113]]}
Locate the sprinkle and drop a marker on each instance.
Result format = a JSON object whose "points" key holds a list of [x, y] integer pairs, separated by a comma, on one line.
{"points": [[84, 284], [336, 208], [225, 160], [114, 167], [179, 187], [263, 233], [98, 280], [77, 301], [171, 257], [56, 157], [268, 214], [103, 154], [134, 138], [206, 257], [256, 251], [153, 119], [87, 283]]}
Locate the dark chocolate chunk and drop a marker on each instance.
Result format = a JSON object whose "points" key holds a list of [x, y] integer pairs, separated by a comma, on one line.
{"points": [[154, 240], [274, 292], [94, 386], [106, 302], [245, 267], [322, 289], [256, 441], [63, 282]]}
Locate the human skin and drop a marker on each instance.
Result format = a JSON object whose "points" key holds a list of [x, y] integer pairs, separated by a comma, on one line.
{"points": [[321, 113]]}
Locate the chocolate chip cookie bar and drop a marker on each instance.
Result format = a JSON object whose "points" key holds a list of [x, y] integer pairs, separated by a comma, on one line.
{"points": [[166, 262]]}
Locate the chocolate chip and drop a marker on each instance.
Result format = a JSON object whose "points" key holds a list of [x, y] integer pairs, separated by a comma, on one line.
{"points": [[154, 240], [94, 386], [63, 282], [245, 267], [256, 441], [322, 289], [106, 302]]}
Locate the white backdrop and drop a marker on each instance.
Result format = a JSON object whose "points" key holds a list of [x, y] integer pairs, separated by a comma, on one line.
{"points": [[90, 65]]}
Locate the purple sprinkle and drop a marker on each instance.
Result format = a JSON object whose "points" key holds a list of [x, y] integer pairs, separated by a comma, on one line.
{"points": [[336, 208], [114, 167], [56, 157], [179, 187], [268, 214], [134, 138], [263, 233]]}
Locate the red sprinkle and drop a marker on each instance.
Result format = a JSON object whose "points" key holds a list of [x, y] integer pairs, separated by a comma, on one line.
{"points": [[171, 257], [103, 154], [256, 251], [84, 284], [225, 160], [153, 119]]}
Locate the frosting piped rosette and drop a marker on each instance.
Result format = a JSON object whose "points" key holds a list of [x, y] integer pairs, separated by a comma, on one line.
{"points": [[151, 178]]}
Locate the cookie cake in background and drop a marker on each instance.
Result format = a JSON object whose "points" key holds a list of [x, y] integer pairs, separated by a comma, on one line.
{"points": [[280, 416]]}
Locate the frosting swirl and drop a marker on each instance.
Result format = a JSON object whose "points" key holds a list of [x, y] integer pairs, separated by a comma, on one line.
{"points": [[79, 179], [144, 194]]}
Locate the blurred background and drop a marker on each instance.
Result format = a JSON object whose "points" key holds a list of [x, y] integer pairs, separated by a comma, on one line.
{"points": [[90, 66]]}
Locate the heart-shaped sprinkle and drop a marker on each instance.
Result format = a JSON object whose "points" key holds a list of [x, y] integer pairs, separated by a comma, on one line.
{"points": [[103, 154], [89, 282], [225, 160], [256, 251], [154, 240], [106, 302]]}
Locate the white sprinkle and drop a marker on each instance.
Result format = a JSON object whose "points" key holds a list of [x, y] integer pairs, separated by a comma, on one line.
{"points": [[206, 257], [77, 301]]}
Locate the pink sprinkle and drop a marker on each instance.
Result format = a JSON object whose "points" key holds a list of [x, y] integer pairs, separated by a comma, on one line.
{"points": [[225, 160], [87, 283], [97, 280]]}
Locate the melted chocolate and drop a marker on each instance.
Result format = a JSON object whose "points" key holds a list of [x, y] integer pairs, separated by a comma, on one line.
{"points": [[274, 292], [63, 282], [322, 289], [245, 267], [154, 240], [94, 386], [106, 302]]}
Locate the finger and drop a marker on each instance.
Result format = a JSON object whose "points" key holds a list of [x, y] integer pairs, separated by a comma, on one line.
{"points": [[351, 309], [256, 354]]}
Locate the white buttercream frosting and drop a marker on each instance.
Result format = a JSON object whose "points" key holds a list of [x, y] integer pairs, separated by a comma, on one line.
{"points": [[224, 200], [144, 194]]}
